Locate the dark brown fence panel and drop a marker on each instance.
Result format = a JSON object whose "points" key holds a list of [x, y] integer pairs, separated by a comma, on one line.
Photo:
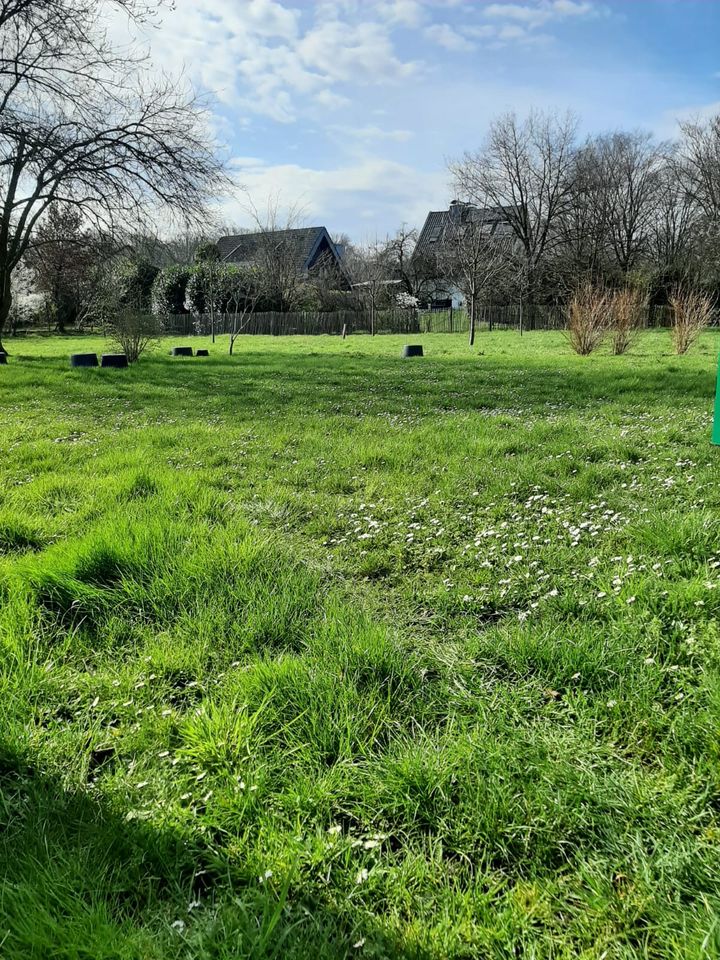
{"points": [[308, 323], [304, 323]]}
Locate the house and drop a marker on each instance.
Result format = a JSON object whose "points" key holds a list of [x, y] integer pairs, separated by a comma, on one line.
{"points": [[309, 249], [439, 226]]}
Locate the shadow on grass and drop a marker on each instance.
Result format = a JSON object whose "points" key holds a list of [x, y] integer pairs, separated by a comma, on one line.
{"points": [[329, 381], [77, 879], [263, 384]]}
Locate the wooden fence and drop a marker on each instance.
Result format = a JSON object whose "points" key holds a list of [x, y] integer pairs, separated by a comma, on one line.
{"points": [[299, 322], [513, 317]]}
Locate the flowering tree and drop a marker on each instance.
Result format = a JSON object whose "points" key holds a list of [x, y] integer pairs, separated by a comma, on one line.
{"points": [[406, 301]]}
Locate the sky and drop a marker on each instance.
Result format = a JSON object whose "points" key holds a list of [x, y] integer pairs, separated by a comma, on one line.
{"points": [[352, 109]]}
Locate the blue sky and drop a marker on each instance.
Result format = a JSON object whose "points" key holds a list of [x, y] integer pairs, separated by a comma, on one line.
{"points": [[352, 108]]}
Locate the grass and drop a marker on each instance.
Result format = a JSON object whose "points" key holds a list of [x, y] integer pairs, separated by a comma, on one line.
{"points": [[314, 651]]}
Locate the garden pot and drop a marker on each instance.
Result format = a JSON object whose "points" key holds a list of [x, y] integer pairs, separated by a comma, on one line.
{"points": [[114, 360], [181, 352], [3, 358], [83, 360], [412, 350], [202, 353]]}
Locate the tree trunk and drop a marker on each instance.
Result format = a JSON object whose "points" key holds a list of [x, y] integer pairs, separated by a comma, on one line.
{"points": [[531, 297], [5, 306], [472, 320]]}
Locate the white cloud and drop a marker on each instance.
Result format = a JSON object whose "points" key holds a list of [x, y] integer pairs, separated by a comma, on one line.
{"points": [[265, 58], [370, 133], [408, 13], [363, 54], [333, 101], [570, 8], [520, 22], [341, 195], [345, 74], [484, 31], [446, 36], [534, 15], [669, 124], [240, 163], [514, 33]]}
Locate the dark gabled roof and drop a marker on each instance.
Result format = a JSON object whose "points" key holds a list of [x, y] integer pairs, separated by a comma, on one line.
{"points": [[300, 244], [438, 221], [432, 230]]}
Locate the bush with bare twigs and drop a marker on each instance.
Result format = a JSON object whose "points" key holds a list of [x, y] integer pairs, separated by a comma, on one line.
{"points": [[588, 318], [133, 332], [627, 309], [691, 313]]}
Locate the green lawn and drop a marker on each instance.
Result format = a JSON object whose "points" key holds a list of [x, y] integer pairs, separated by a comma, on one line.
{"points": [[314, 652]]}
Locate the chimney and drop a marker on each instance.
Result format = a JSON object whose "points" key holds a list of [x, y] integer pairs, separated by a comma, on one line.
{"points": [[457, 208]]}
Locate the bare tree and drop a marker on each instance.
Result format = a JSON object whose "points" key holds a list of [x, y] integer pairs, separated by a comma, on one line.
{"points": [[244, 291], [473, 255], [676, 225], [371, 270], [699, 163], [698, 169], [628, 178], [83, 122], [414, 273], [275, 252], [526, 168], [582, 250], [156, 247]]}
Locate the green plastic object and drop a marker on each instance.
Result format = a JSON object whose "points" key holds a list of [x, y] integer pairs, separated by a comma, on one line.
{"points": [[716, 421]]}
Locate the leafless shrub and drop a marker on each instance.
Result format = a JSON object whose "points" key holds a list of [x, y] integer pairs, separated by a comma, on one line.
{"points": [[691, 313], [133, 332], [588, 318], [627, 308]]}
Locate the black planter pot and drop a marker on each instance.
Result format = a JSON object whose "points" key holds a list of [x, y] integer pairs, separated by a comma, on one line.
{"points": [[83, 360], [3, 358], [181, 352], [412, 350], [202, 353], [118, 360]]}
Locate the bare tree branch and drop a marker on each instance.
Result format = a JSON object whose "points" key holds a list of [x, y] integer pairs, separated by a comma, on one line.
{"points": [[526, 169], [83, 123]]}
